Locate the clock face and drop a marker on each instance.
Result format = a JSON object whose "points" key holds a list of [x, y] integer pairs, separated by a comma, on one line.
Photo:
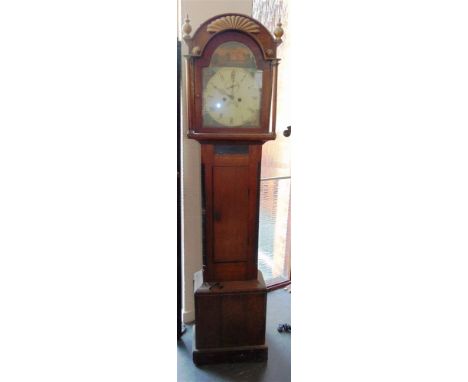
{"points": [[232, 88], [232, 97]]}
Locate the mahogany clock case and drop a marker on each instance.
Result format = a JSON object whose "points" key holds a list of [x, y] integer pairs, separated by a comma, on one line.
{"points": [[230, 293]]}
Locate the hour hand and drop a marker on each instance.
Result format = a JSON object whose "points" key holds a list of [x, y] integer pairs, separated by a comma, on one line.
{"points": [[224, 92], [233, 86]]}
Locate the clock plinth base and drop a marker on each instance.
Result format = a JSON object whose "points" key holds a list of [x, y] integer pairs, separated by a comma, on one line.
{"points": [[230, 319], [258, 353]]}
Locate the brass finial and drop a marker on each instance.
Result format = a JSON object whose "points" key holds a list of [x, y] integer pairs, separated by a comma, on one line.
{"points": [[278, 32], [186, 28]]}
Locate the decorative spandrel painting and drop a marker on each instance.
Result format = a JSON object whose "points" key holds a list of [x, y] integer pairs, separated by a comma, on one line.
{"points": [[232, 88]]}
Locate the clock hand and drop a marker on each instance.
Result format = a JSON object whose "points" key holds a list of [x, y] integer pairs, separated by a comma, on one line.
{"points": [[224, 92], [233, 86], [233, 77]]}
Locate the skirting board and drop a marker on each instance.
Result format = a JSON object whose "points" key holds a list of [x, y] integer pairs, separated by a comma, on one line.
{"points": [[188, 316]]}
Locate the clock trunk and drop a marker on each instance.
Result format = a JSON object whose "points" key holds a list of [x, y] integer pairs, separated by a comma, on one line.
{"points": [[231, 174]]}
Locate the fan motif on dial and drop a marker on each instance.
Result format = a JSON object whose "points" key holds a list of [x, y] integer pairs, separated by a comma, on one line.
{"points": [[232, 96]]}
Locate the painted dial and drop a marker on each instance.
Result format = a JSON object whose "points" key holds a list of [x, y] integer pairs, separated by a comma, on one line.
{"points": [[232, 96]]}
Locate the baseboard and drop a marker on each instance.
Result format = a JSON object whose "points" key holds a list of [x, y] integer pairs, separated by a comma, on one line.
{"points": [[188, 317]]}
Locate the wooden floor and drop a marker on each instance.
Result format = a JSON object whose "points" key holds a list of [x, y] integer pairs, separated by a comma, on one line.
{"points": [[278, 367]]}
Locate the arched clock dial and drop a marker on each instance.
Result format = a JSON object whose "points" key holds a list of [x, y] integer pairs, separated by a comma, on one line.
{"points": [[232, 96]]}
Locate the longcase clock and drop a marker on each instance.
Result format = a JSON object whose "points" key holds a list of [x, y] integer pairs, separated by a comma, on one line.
{"points": [[231, 95]]}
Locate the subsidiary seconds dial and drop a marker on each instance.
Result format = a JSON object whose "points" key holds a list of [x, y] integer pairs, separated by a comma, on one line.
{"points": [[232, 97]]}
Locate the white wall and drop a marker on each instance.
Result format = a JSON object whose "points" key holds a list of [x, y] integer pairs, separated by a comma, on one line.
{"points": [[198, 11]]}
